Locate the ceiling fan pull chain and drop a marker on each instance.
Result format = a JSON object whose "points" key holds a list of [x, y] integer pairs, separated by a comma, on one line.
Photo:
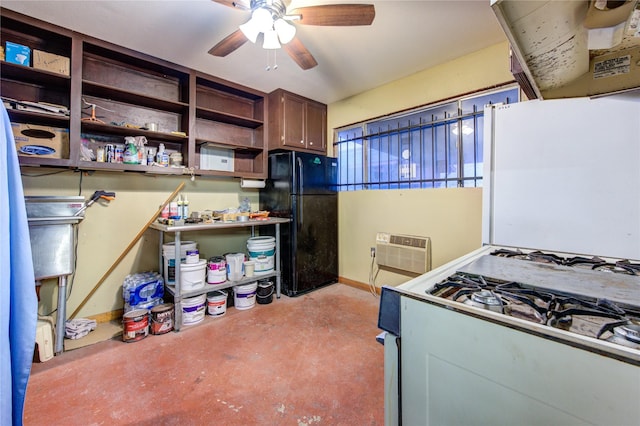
{"points": [[275, 62]]}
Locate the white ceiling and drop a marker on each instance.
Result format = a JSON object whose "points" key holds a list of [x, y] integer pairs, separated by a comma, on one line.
{"points": [[406, 37]]}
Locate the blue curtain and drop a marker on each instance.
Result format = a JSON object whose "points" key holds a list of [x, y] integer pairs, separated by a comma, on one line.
{"points": [[18, 301]]}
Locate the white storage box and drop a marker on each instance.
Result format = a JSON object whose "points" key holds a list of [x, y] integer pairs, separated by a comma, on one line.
{"points": [[215, 158]]}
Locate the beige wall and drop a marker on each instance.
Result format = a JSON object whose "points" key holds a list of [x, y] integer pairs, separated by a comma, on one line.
{"points": [[108, 229], [451, 217]]}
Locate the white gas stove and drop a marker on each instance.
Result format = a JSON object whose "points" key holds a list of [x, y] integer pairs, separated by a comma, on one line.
{"points": [[538, 326]]}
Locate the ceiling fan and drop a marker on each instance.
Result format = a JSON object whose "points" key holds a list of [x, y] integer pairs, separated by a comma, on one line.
{"points": [[275, 22]]}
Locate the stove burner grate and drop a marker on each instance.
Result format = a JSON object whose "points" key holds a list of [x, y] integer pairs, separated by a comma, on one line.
{"points": [[624, 266], [590, 318]]}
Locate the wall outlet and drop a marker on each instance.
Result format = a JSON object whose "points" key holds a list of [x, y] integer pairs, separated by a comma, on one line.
{"points": [[373, 252]]}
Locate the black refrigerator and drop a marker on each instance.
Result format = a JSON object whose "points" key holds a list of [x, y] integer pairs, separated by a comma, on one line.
{"points": [[302, 187]]}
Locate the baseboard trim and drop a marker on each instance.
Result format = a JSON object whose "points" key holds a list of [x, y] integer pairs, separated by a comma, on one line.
{"points": [[357, 284]]}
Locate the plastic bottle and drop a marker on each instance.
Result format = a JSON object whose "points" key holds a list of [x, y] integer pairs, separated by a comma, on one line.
{"points": [[130, 155], [185, 208], [179, 212], [162, 158], [173, 210]]}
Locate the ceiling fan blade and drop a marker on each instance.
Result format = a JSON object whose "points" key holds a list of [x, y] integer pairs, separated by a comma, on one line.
{"points": [[236, 4], [335, 14], [229, 44], [300, 54]]}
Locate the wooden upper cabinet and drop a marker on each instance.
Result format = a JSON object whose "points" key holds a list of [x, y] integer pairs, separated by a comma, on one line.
{"points": [[296, 123]]}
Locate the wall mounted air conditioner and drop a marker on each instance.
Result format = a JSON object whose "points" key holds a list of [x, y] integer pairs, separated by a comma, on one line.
{"points": [[404, 252]]}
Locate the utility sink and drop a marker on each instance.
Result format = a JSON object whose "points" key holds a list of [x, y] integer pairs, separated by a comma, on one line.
{"points": [[53, 238], [51, 227]]}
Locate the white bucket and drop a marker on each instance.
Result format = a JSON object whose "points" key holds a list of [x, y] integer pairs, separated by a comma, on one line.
{"points": [[192, 275], [217, 303], [193, 309], [169, 254], [262, 251], [244, 296]]}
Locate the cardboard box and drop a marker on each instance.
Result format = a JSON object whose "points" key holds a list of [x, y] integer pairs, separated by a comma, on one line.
{"points": [[40, 141], [18, 54], [51, 62]]}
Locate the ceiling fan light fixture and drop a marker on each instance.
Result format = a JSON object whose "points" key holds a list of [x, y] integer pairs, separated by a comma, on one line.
{"points": [[286, 32], [262, 19], [250, 30], [271, 40]]}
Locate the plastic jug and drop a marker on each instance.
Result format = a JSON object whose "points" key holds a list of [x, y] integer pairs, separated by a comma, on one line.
{"points": [[235, 266]]}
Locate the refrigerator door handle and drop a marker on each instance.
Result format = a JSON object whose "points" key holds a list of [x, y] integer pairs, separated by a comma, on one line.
{"points": [[300, 176], [300, 188]]}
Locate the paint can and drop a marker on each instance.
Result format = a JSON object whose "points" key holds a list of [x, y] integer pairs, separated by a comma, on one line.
{"points": [[192, 276], [193, 309], [244, 296], [264, 295], [216, 270], [169, 254], [162, 318], [262, 251], [217, 303], [135, 325]]}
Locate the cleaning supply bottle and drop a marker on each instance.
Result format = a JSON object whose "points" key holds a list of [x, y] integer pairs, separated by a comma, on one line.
{"points": [[162, 157], [130, 155]]}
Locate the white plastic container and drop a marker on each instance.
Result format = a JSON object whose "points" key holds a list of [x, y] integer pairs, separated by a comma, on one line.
{"points": [[216, 270], [235, 266], [169, 254], [193, 309], [249, 268], [192, 275], [244, 296], [262, 251], [217, 303]]}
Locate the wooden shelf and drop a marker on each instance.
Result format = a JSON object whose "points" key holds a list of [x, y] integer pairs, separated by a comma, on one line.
{"points": [[122, 167], [113, 93], [31, 75], [21, 116], [92, 126], [224, 117]]}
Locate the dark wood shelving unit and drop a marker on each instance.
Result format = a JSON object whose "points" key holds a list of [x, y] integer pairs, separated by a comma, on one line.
{"points": [[132, 88]]}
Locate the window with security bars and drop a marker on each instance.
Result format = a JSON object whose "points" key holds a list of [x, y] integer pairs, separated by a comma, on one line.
{"points": [[438, 146]]}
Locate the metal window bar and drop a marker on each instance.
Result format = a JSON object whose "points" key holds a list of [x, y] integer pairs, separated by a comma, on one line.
{"points": [[423, 126]]}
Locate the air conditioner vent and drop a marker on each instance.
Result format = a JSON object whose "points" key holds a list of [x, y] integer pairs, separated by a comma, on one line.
{"points": [[404, 252]]}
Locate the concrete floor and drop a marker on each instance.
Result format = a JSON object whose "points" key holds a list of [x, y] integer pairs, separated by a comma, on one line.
{"points": [[309, 360]]}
